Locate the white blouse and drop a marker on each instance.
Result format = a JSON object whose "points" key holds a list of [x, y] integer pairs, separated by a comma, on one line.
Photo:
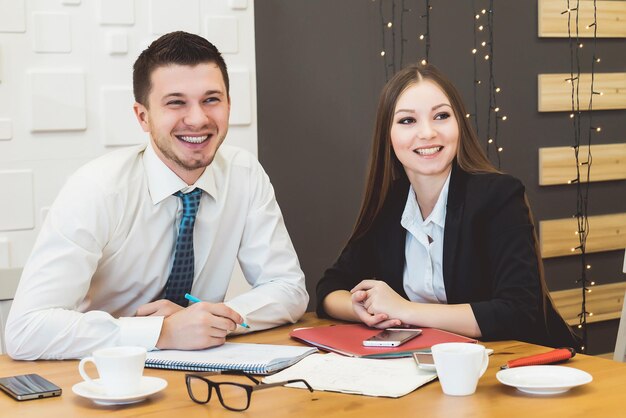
{"points": [[423, 250]]}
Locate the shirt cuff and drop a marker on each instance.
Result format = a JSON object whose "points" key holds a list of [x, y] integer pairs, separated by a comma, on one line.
{"points": [[141, 331]]}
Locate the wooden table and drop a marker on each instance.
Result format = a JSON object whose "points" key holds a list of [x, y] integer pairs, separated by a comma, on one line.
{"points": [[604, 397]]}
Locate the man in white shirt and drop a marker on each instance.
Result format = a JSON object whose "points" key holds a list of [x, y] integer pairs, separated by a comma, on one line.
{"points": [[100, 270]]}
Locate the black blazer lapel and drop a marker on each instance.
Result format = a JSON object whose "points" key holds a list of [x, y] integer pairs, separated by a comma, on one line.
{"points": [[452, 230], [394, 253]]}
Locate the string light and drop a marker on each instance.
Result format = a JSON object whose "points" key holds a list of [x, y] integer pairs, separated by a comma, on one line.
{"points": [[584, 163]]}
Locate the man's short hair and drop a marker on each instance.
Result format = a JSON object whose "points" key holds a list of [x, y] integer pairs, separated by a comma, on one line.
{"points": [[179, 48]]}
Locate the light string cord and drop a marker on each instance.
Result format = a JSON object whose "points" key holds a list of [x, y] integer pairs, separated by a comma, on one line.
{"points": [[493, 105], [476, 81], [383, 38]]}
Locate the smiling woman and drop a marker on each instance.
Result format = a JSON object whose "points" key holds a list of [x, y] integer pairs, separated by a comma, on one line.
{"points": [[443, 239]]}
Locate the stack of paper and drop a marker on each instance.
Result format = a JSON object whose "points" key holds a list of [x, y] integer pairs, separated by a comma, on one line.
{"points": [[335, 373]]}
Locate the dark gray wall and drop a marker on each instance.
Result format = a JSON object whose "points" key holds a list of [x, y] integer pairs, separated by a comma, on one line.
{"points": [[319, 73]]}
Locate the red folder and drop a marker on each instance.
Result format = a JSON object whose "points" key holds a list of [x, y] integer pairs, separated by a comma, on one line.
{"points": [[348, 340]]}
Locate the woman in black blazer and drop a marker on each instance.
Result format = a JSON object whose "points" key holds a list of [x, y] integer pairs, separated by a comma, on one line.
{"points": [[470, 263]]}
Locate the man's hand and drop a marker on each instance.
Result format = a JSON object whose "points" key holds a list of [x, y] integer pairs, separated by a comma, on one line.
{"points": [[161, 307], [199, 326]]}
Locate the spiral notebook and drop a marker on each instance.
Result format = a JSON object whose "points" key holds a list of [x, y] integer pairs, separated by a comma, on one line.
{"points": [[250, 358]]}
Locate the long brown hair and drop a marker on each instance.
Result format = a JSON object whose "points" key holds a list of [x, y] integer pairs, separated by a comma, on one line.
{"points": [[384, 166]]}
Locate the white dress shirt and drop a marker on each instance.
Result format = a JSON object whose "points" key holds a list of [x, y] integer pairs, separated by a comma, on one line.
{"points": [[423, 269], [107, 247]]}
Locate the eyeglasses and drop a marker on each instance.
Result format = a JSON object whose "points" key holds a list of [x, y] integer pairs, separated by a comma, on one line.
{"points": [[233, 396]]}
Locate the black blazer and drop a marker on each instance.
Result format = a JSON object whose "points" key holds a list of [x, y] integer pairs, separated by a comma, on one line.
{"points": [[489, 259]]}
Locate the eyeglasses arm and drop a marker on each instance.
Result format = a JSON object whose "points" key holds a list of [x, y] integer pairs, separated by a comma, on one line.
{"points": [[283, 383]]}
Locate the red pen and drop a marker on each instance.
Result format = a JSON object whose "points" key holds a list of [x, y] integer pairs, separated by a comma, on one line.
{"points": [[554, 356]]}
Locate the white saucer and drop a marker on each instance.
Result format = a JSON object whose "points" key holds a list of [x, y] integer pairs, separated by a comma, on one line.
{"points": [[543, 380], [148, 386]]}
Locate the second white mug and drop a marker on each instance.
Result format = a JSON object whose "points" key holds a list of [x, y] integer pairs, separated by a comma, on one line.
{"points": [[459, 366]]}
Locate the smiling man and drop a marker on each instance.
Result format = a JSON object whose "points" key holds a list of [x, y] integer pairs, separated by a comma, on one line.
{"points": [[135, 230]]}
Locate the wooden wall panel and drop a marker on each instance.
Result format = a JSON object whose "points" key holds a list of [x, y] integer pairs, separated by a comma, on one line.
{"points": [[604, 302], [611, 16], [555, 93], [557, 165], [606, 233]]}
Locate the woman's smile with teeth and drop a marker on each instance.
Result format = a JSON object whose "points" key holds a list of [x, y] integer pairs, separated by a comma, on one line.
{"points": [[428, 151], [192, 139]]}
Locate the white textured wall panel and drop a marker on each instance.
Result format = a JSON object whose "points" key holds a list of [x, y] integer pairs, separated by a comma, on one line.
{"points": [[167, 16], [1, 65], [238, 4], [57, 100], [12, 16], [6, 131], [17, 208], [5, 255], [117, 43], [223, 32], [52, 32], [120, 127], [240, 111], [116, 12]]}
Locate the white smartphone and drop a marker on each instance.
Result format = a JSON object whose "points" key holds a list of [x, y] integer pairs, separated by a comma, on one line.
{"points": [[29, 386], [391, 338]]}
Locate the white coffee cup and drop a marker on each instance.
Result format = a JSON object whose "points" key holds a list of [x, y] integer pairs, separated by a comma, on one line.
{"points": [[459, 366], [120, 369]]}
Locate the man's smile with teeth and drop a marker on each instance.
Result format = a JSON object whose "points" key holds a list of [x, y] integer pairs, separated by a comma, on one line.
{"points": [[192, 139], [428, 151]]}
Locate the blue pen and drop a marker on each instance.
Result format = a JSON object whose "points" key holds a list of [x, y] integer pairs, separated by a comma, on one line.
{"points": [[194, 299]]}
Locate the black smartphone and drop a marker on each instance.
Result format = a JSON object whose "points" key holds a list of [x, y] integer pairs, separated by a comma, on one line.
{"points": [[28, 386]]}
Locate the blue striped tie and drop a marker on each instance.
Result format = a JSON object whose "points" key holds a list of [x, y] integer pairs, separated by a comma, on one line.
{"points": [[181, 277]]}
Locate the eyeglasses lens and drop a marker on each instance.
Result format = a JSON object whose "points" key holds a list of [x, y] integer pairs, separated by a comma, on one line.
{"points": [[200, 391], [234, 396]]}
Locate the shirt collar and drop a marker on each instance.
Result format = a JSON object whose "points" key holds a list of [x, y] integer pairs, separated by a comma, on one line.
{"points": [[438, 215], [163, 182], [413, 215]]}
